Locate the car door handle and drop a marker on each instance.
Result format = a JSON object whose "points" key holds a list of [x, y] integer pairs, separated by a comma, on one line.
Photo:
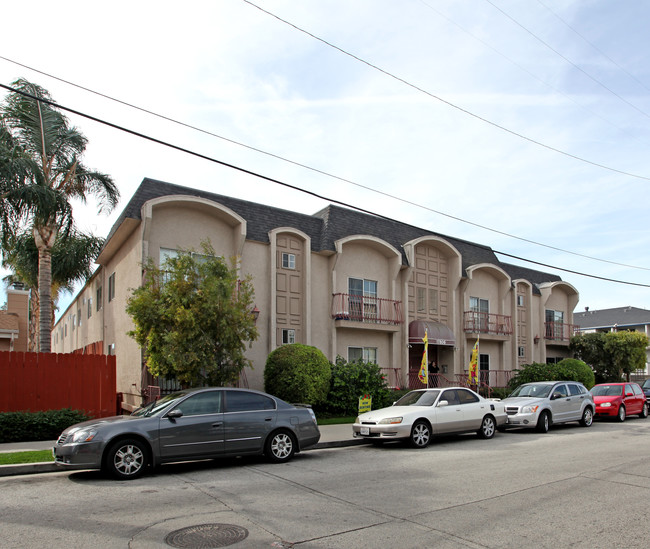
{"points": [[268, 419], [217, 424]]}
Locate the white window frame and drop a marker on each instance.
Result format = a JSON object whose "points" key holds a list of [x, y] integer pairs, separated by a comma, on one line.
{"points": [[111, 287], [288, 261], [288, 336], [368, 354]]}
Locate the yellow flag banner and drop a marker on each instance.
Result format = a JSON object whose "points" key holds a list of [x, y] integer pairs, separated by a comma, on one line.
{"points": [[473, 365], [423, 375]]}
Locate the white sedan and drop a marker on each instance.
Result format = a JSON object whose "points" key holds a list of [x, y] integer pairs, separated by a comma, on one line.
{"points": [[421, 414]]}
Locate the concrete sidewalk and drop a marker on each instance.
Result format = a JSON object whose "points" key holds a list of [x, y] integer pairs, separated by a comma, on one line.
{"points": [[331, 436]]}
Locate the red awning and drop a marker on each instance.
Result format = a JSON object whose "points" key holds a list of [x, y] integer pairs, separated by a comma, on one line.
{"points": [[437, 332]]}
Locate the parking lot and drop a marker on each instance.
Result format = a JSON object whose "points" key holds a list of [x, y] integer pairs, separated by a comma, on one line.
{"points": [[574, 486]]}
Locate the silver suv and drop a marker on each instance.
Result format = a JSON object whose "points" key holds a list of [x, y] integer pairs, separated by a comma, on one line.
{"points": [[540, 404]]}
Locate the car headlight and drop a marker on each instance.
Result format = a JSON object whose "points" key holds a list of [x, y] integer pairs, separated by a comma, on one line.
{"points": [[83, 435], [529, 409], [606, 404], [390, 421]]}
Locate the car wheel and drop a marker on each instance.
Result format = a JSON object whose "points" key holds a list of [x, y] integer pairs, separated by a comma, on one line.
{"points": [[280, 447], [644, 411], [621, 413], [488, 426], [587, 417], [420, 434], [127, 459], [543, 422]]}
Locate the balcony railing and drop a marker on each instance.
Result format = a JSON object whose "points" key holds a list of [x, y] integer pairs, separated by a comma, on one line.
{"points": [[559, 331], [487, 323], [362, 308]]}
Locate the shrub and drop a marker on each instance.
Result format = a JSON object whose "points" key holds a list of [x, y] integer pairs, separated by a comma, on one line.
{"points": [[297, 373], [573, 369], [569, 369], [29, 426], [351, 380]]}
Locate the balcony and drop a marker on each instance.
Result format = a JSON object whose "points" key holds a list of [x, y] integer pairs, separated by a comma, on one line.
{"points": [[367, 310], [487, 323], [559, 331]]}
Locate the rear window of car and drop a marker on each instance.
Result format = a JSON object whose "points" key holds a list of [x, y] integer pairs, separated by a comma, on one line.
{"points": [[637, 390], [240, 401], [466, 397], [575, 389]]}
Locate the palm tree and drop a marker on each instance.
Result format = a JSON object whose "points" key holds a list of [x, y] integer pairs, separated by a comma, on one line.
{"points": [[72, 257], [40, 176]]}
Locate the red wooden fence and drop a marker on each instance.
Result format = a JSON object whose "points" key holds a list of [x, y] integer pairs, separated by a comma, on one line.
{"points": [[50, 381]]}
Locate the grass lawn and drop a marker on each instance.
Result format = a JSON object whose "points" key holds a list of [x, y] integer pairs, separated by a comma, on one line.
{"points": [[37, 456]]}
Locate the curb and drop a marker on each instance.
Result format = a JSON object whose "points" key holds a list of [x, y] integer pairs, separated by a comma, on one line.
{"points": [[51, 467]]}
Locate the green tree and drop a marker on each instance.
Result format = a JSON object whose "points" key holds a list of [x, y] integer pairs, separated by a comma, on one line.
{"points": [[193, 317], [72, 257], [297, 373], [41, 174], [612, 355]]}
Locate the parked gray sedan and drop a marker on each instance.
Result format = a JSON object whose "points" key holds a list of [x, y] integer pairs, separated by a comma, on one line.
{"points": [[540, 404], [189, 425]]}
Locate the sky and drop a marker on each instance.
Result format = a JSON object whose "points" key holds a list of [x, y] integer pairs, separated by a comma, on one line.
{"points": [[523, 126]]}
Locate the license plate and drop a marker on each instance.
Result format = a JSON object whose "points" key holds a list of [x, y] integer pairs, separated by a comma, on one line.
{"points": [[364, 431]]}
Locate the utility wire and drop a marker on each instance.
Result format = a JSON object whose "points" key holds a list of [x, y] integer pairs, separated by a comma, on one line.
{"points": [[316, 170], [578, 67], [266, 178], [449, 103]]}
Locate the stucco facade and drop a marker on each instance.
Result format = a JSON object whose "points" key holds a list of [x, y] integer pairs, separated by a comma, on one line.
{"points": [[348, 283]]}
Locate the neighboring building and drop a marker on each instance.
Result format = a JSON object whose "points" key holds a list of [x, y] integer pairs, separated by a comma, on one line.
{"points": [[349, 283], [14, 321], [629, 319]]}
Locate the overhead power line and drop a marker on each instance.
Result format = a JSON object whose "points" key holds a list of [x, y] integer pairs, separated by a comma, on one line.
{"points": [[316, 170], [446, 102], [266, 178]]}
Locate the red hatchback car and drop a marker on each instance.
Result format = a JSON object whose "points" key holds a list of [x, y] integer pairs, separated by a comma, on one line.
{"points": [[619, 400]]}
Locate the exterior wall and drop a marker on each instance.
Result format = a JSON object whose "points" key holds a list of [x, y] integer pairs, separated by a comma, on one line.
{"points": [[302, 298]]}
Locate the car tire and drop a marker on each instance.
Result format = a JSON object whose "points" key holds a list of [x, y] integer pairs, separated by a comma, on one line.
{"points": [[420, 434], [620, 416], [488, 426], [644, 411], [280, 446], [127, 459], [587, 417], [543, 422]]}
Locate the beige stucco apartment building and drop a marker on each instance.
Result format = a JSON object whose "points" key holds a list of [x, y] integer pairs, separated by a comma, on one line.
{"points": [[349, 283]]}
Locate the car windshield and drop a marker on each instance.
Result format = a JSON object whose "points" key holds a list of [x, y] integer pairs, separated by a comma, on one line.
{"points": [[607, 390], [157, 405], [539, 390], [418, 398]]}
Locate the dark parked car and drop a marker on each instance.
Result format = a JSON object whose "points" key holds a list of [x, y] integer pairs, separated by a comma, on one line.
{"points": [[645, 387], [189, 425]]}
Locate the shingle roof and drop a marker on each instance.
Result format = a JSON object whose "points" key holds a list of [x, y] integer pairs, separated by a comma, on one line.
{"points": [[324, 227], [607, 318]]}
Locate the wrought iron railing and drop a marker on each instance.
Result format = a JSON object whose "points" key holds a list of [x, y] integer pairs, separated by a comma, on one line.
{"points": [[362, 308], [487, 323], [560, 331]]}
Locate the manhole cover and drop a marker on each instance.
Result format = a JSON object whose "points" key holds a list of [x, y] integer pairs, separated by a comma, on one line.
{"points": [[206, 535]]}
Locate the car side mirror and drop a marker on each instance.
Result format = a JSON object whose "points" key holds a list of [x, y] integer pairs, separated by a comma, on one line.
{"points": [[556, 396], [175, 413], [629, 394], [443, 403]]}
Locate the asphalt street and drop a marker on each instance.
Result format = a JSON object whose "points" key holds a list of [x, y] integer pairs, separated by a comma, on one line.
{"points": [[572, 487]]}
